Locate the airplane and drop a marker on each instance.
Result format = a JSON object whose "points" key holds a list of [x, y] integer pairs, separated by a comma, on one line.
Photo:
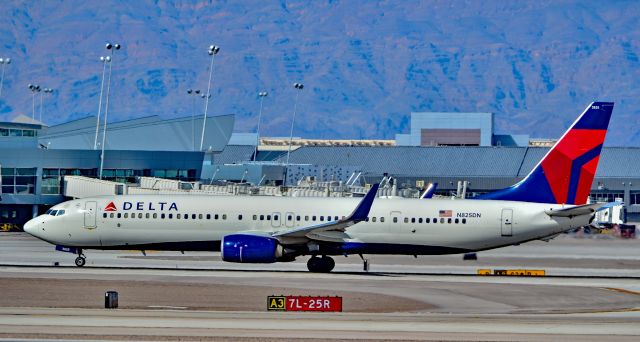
{"points": [[550, 200]]}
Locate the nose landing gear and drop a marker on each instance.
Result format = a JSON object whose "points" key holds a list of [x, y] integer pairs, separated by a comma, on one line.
{"points": [[81, 259], [321, 265]]}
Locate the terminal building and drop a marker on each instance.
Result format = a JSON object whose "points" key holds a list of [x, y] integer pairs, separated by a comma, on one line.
{"points": [[35, 158]]}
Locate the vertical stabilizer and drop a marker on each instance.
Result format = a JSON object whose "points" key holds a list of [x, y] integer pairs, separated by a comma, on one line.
{"points": [[566, 172]]}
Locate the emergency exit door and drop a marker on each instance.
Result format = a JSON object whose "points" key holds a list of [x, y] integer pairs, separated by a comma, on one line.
{"points": [[507, 222], [90, 209]]}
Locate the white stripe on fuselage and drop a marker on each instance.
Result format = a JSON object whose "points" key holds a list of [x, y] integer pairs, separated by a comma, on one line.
{"points": [[482, 228]]}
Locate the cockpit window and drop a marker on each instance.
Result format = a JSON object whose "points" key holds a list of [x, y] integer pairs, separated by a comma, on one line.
{"points": [[53, 212], [60, 213], [48, 212]]}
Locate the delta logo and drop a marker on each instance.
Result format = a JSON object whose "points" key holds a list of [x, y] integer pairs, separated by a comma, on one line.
{"points": [[110, 207]]}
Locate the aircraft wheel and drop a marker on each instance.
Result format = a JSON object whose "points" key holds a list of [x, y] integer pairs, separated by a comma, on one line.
{"points": [[80, 261], [321, 265], [328, 264], [313, 264]]}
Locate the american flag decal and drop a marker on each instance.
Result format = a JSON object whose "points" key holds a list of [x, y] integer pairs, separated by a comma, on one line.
{"points": [[446, 213]]}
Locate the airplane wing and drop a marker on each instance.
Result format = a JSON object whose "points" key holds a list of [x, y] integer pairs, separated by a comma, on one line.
{"points": [[586, 209], [360, 213]]}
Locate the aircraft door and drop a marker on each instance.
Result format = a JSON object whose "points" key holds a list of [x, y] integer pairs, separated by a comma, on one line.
{"points": [[290, 220], [275, 220], [90, 209], [507, 222]]}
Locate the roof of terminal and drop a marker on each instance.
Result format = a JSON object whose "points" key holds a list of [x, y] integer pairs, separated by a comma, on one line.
{"points": [[411, 161]]}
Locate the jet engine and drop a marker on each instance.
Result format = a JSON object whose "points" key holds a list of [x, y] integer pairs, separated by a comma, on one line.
{"points": [[248, 248]]}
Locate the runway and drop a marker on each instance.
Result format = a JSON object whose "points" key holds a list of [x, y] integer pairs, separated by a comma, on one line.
{"points": [[167, 296]]}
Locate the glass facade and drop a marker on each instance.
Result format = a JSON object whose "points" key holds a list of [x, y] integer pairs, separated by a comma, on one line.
{"points": [[18, 180], [13, 132]]}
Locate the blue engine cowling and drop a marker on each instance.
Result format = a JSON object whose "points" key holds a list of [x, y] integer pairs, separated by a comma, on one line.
{"points": [[247, 248]]}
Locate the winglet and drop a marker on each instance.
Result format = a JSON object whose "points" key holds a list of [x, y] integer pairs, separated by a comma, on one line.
{"points": [[362, 210], [429, 191]]}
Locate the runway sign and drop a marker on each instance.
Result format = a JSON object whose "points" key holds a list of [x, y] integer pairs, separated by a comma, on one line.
{"points": [[525, 273], [304, 303]]}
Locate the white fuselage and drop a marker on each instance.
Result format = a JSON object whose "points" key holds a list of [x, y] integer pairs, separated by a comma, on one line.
{"points": [[157, 219]]}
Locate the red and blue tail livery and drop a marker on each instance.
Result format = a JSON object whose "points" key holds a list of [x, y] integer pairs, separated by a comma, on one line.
{"points": [[565, 174]]}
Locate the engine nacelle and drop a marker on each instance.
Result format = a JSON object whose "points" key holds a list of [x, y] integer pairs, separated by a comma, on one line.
{"points": [[248, 248]]}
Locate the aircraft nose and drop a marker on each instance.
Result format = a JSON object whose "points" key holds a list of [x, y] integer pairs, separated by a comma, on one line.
{"points": [[31, 227]]}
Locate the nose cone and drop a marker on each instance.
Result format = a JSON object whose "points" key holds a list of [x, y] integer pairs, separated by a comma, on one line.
{"points": [[31, 227]]}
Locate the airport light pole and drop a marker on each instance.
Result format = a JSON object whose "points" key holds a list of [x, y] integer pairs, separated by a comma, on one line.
{"points": [[105, 60], [34, 89], [213, 51], [195, 93], [44, 91], [112, 48], [298, 86], [262, 95], [4, 61]]}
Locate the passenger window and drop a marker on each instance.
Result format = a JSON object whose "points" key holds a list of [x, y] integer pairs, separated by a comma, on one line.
{"points": [[449, 220], [336, 218], [162, 216], [208, 216], [133, 216], [457, 221], [413, 220], [193, 216], [111, 215], [261, 217], [224, 216], [441, 220], [215, 216], [186, 216], [104, 215], [298, 218], [147, 215], [395, 220], [275, 217], [140, 215], [268, 217], [420, 220], [464, 221], [119, 215], [177, 216], [373, 219], [313, 218], [240, 217], [126, 215], [435, 220], [200, 216], [382, 219], [427, 220], [321, 218], [155, 215], [289, 217], [170, 216], [306, 218], [367, 219]]}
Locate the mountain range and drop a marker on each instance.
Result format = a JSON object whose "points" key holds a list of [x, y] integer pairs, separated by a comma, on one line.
{"points": [[365, 65]]}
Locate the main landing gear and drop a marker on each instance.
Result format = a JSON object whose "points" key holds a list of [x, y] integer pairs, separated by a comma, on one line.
{"points": [[80, 260], [321, 265]]}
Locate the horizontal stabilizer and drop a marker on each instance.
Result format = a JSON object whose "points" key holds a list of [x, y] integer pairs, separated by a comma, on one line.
{"points": [[586, 209]]}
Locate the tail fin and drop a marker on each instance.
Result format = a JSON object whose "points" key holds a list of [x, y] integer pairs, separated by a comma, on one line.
{"points": [[566, 172]]}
